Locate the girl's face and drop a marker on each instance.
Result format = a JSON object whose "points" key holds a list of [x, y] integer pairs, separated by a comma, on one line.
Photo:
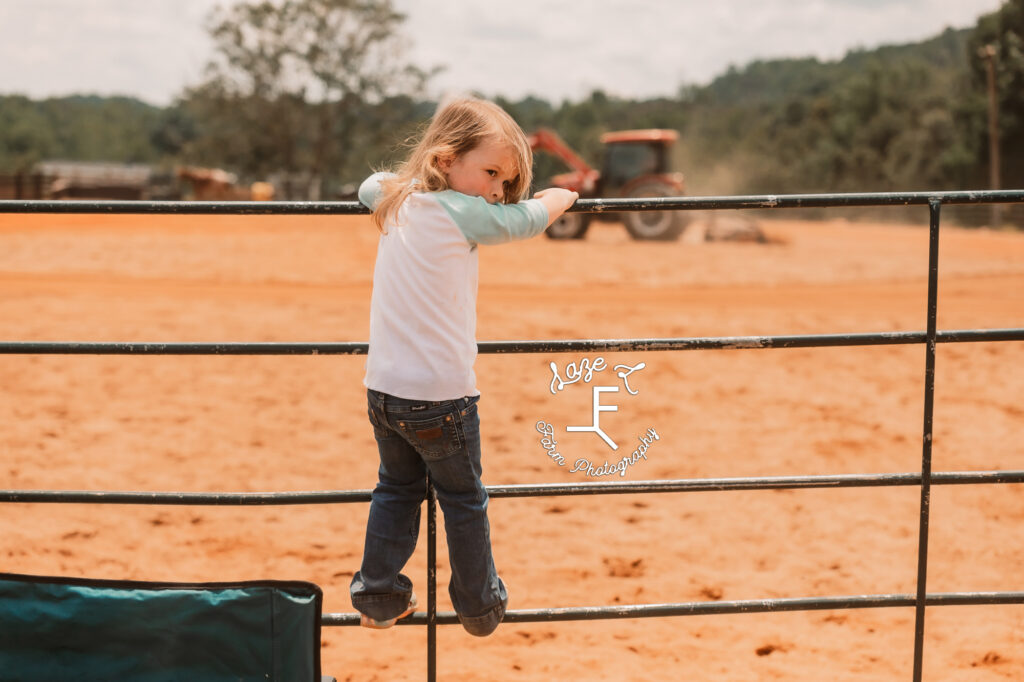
{"points": [[482, 171]]}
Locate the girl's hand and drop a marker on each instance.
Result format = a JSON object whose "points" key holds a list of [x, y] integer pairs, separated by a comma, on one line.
{"points": [[556, 200]]}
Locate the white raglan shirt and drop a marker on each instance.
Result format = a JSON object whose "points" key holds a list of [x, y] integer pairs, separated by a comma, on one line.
{"points": [[423, 307]]}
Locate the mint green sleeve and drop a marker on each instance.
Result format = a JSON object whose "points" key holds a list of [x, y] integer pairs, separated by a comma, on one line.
{"points": [[369, 191], [484, 223]]}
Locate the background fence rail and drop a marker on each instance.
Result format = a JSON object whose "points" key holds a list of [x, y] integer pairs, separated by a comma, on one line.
{"points": [[256, 499], [567, 346], [768, 201], [431, 618]]}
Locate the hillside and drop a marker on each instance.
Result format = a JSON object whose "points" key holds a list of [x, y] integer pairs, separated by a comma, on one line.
{"points": [[897, 117]]}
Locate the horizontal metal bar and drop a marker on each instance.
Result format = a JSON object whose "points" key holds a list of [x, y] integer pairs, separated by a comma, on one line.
{"points": [[748, 342], [581, 206], [799, 201], [978, 335], [182, 348], [187, 207], [705, 343], [753, 483], [711, 608], [499, 491], [489, 347], [213, 499]]}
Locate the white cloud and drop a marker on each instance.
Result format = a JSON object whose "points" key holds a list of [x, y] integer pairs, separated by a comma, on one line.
{"points": [[553, 48], [651, 47], [148, 49]]}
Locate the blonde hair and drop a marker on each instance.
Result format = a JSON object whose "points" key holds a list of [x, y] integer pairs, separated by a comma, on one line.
{"points": [[459, 126]]}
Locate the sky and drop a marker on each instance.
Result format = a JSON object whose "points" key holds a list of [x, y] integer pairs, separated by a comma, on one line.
{"points": [[554, 49]]}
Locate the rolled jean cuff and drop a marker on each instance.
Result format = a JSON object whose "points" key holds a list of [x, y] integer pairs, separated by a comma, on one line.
{"points": [[381, 606], [481, 626]]}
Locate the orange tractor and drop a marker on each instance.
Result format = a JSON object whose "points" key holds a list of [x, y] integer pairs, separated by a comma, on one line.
{"points": [[636, 164]]}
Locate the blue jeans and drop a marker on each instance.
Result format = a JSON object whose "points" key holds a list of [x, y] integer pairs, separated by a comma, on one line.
{"points": [[443, 438]]}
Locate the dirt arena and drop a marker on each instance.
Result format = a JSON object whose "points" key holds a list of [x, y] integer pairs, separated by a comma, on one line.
{"points": [[298, 423]]}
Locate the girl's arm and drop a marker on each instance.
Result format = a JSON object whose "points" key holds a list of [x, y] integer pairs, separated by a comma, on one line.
{"points": [[369, 191], [484, 223]]}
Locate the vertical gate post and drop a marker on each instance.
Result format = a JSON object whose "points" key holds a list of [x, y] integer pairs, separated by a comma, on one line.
{"points": [[431, 582], [926, 448]]}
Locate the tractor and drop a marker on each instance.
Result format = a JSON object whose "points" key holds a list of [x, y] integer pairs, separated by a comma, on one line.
{"points": [[636, 164]]}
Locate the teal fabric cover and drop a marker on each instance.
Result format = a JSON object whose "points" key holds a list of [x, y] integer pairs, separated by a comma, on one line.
{"points": [[56, 629]]}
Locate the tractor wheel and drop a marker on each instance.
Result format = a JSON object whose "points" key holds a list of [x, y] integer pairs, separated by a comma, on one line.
{"points": [[569, 226], [654, 225]]}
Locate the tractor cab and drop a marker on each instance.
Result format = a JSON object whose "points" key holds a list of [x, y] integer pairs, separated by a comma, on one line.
{"points": [[631, 155]]}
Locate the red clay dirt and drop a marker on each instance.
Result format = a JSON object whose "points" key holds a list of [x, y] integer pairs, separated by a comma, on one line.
{"points": [[298, 423]]}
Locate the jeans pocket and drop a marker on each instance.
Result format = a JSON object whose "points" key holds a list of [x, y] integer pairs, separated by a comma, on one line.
{"points": [[434, 438], [380, 430]]}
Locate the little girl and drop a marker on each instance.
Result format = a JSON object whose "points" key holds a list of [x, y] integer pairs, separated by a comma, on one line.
{"points": [[463, 185]]}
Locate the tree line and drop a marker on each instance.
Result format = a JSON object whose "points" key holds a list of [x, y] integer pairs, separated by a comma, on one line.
{"points": [[321, 88]]}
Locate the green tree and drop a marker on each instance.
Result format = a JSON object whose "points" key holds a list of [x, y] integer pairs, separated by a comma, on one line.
{"points": [[25, 135], [293, 83], [1004, 30], [82, 128]]}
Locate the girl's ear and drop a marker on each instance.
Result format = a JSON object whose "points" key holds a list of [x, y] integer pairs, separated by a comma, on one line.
{"points": [[444, 163]]}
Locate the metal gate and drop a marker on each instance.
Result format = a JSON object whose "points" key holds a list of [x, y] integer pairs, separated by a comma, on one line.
{"points": [[923, 479]]}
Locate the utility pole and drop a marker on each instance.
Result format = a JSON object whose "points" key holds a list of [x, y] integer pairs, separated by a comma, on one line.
{"points": [[988, 53]]}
